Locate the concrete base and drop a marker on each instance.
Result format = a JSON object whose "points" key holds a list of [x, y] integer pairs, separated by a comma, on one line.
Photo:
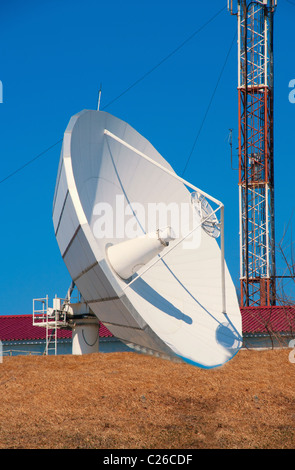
{"points": [[85, 339]]}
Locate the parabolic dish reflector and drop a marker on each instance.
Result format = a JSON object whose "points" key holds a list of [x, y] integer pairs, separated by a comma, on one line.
{"points": [[141, 247]]}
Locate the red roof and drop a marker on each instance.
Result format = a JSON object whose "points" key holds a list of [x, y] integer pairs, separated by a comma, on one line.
{"points": [[20, 327], [268, 319], [254, 320]]}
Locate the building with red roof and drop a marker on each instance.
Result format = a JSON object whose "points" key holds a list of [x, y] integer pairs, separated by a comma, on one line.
{"points": [[263, 327], [18, 335], [268, 326]]}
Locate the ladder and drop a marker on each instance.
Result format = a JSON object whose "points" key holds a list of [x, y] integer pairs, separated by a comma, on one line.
{"points": [[49, 318], [51, 337]]}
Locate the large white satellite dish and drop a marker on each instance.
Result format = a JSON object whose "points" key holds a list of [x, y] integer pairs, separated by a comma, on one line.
{"points": [[141, 247]]}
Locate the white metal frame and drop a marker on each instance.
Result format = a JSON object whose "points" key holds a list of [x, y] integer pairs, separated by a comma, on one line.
{"points": [[258, 70], [186, 183], [49, 319]]}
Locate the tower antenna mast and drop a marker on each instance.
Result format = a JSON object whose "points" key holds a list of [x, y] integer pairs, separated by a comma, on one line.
{"points": [[256, 168]]}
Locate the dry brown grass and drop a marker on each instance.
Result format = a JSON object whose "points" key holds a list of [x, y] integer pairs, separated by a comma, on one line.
{"points": [[131, 401]]}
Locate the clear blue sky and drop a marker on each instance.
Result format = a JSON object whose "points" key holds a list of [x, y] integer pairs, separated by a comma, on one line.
{"points": [[53, 57]]}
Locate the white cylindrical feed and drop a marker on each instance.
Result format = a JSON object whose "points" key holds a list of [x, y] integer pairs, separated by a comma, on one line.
{"points": [[127, 257]]}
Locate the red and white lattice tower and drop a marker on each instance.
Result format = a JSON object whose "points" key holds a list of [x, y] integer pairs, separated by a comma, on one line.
{"points": [[256, 169]]}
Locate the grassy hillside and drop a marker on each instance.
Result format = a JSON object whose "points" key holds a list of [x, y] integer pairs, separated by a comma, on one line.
{"points": [[131, 401]]}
